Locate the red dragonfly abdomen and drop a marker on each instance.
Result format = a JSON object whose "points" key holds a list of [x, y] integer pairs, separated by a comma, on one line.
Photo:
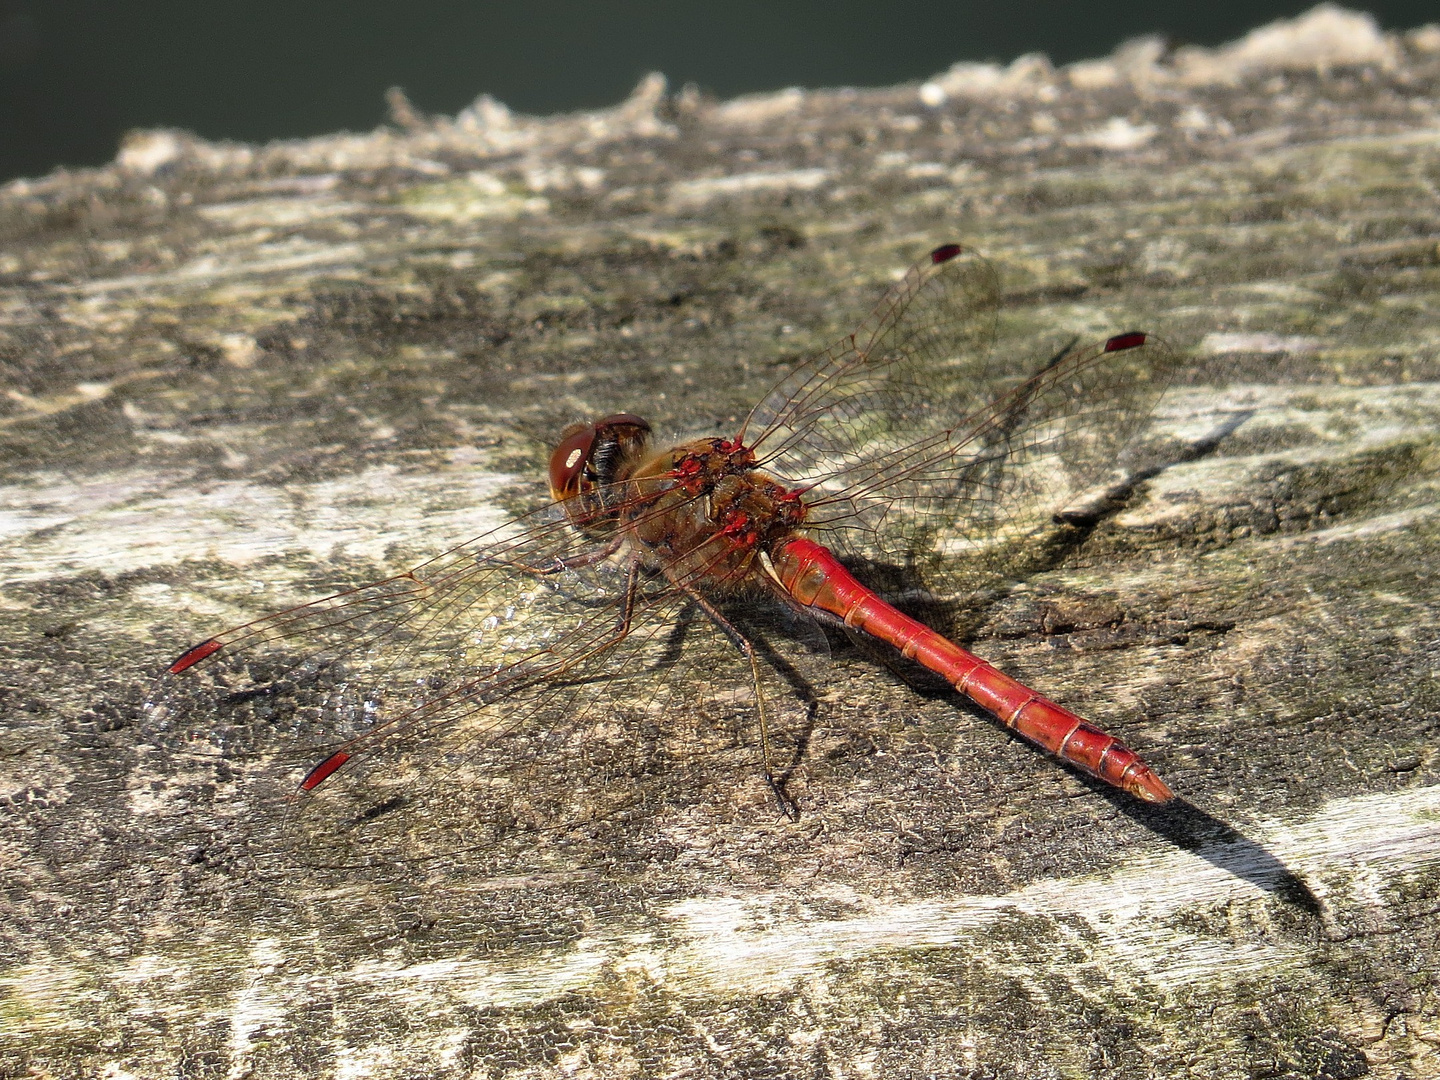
{"points": [[814, 576]]}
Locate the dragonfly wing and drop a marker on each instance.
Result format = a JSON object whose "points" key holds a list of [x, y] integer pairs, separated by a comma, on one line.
{"points": [[917, 364], [404, 656], [914, 441], [981, 489], [525, 674]]}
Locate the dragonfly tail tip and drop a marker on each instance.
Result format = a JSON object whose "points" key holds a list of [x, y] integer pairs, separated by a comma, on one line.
{"points": [[1151, 788]]}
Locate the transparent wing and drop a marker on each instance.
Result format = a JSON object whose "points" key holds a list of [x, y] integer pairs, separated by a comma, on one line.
{"points": [[914, 367], [667, 718], [975, 493], [404, 657], [920, 448]]}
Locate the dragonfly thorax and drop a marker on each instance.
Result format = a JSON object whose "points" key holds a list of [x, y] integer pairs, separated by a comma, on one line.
{"points": [[704, 509]]}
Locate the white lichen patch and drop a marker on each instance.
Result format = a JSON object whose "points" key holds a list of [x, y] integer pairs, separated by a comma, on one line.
{"points": [[698, 192], [486, 983], [1314, 426], [1379, 525], [259, 1010], [1028, 76], [1389, 835], [277, 213], [476, 196], [294, 255], [1327, 36], [753, 110], [47, 998], [1259, 342], [1116, 134], [1324, 38], [129, 522]]}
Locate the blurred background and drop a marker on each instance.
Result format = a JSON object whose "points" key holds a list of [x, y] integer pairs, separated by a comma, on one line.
{"points": [[76, 74]]}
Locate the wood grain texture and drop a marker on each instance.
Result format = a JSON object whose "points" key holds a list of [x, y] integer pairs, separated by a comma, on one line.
{"points": [[237, 377]]}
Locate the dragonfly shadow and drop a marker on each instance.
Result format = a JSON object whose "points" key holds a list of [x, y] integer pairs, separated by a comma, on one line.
{"points": [[1180, 822], [380, 809], [1079, 524], [762, 626], [1221, 845], [1183, 824]]}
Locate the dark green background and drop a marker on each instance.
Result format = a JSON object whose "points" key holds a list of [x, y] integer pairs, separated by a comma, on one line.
{"points": [[75, 74]]}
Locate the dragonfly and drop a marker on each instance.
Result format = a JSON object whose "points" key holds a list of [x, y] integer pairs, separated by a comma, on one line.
{"points": [[911, 450]]}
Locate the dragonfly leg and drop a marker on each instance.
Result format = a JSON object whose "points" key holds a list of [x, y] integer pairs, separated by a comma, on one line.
{"points": [[561, 564], [741, 642], [621, 630]]}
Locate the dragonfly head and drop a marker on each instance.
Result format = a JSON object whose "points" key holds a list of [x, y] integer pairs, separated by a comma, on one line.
{"points": [[591, 456]]}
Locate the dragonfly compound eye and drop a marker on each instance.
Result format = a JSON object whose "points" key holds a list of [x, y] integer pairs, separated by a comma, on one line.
{"points": [[595, 455], [569, 459]]}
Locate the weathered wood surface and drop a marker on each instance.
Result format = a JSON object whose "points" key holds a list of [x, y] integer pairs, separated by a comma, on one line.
{"points": [[236, 376]]}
